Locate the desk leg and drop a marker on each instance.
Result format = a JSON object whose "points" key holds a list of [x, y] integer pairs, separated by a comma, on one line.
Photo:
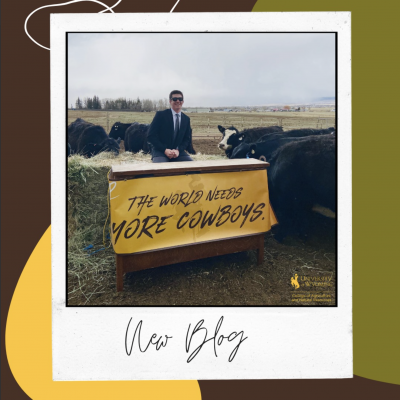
{"points": [[120, 272], [260, 249]]}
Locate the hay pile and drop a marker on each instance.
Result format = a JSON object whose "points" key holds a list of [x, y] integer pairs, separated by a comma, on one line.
{"points": [[92, 271]]}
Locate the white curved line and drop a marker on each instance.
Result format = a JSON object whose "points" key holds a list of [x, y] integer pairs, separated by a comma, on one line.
{"points": [[175, 6], [107, 8]]}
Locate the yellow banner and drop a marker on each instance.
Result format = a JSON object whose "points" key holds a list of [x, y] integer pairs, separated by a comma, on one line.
{"points": [[151, 213]]}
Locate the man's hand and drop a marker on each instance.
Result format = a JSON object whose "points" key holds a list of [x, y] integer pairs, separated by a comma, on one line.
{"points": [[169, 153], [176, 153]]}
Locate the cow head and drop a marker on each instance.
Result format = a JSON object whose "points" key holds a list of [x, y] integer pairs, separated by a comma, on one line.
{"points": [[253, 153], [118, 130], [110, 145], [228, 142], [241, 151], [249, 150], [114, 132], [254, 150]]}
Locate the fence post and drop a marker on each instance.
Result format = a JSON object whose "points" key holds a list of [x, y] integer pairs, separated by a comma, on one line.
{"points": [[108, 122]]}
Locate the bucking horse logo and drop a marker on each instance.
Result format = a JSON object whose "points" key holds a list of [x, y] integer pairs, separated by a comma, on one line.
{"points": [[295, 284]]}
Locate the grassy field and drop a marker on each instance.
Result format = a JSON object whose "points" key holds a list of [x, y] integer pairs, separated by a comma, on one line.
{"points": [[205, 124]]}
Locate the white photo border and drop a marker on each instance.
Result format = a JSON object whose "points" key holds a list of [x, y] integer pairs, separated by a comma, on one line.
{"points": [[288, 343]]}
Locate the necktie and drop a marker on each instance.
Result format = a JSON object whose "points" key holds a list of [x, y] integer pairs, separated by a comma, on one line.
{"points": [[176, 126]]}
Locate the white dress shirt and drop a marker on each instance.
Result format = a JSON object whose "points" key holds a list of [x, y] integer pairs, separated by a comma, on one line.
{"points": [[174, 118]]}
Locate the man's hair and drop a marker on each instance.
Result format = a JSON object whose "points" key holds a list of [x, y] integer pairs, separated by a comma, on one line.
{"points": [[175, 92]]}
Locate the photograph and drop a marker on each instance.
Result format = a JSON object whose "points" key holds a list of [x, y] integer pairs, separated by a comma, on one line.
{"points": [[201, 169]]}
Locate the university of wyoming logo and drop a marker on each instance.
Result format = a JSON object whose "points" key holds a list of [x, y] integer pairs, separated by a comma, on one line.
{"points": [[295, 284]]}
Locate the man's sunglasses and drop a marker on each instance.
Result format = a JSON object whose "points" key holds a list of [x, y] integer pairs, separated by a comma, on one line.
{"points": [[177, 98]]}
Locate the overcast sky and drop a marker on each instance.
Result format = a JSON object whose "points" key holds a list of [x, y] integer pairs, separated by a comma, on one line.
{"points": [[211, 69]]}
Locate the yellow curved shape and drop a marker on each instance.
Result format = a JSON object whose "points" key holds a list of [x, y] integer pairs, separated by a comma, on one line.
{"points": [[28, 345]]}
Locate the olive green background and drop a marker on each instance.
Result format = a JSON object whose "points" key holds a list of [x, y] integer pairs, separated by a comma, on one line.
{"points": [[376, 203]]}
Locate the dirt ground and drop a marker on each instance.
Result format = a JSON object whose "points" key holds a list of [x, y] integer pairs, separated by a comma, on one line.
{"points": [[234, 279], [230, 280], [207, 146]]}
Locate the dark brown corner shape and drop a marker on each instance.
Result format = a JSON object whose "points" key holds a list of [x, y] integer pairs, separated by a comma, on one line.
{"points": [[326, 389]]}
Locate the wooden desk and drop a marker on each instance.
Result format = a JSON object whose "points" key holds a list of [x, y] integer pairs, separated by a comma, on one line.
{"points": [[176, 254]]}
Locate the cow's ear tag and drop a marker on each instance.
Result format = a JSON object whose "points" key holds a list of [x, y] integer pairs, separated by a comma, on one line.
{"points": [[253, 151], [241, 138]]}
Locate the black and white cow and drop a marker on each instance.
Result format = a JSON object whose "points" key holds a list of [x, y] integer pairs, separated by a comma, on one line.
{"points": [[88, 139], [302, 180], [118, 130], [232, 137]]}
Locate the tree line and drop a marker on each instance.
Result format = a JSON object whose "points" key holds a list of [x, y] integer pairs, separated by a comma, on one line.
{"points": [[95, 103]]}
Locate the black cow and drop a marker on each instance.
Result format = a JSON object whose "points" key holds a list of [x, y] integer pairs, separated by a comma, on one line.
{"points": [[118, 130], [302, 179], [232, 137], [74, 132], [263, 148], [88, 139], [298, 133], [190, 149], [136, 138], [270, 142], [307, 132]]}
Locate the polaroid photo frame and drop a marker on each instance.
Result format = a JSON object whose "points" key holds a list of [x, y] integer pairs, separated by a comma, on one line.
{"points": [[144, 343]]}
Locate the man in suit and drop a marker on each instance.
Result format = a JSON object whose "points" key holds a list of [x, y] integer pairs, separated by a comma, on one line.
{"points": [[170, 132]]}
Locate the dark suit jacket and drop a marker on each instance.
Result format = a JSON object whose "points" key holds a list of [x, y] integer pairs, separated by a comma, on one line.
{"points": [[161, 133]]}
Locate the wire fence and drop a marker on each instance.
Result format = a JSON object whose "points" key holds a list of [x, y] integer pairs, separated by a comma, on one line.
{"points": [[206, 124]]}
